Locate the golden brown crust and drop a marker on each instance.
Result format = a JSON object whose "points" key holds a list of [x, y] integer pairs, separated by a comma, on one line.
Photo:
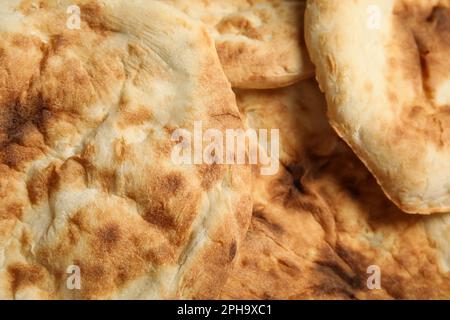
{"points": [[323, 220], [86, 175], [259, 42], [394, 114], [303, 105]]}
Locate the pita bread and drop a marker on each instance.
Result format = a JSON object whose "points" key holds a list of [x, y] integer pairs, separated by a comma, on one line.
{"points": [[303, 105], [260, 42], [321, 222], [86, 177], [384, 67]]}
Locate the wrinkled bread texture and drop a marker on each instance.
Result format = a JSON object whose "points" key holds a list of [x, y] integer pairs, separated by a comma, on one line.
{"points": [[260, 42], [86, 176], [322, 220], [385, 70]]}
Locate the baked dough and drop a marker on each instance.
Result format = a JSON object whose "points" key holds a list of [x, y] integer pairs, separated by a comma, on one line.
{"points": [[260, 42], [321, 222], [385, 70], [297, 109], [86, 176]]}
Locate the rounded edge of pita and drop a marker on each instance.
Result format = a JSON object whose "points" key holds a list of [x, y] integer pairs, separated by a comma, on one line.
{"points": [[381, 66]]}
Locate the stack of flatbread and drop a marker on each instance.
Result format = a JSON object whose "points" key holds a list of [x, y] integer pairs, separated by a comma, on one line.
{"points": [[96, 95]]}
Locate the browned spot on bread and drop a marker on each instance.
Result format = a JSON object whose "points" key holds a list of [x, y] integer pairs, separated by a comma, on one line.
{"points": [[71, 172], [120, 150], [108, 236], [23, 42], [73, 234], [93, 14], [24, 275], [209, 174], [335, 269], [157, 215], [440, 17], [26, 239], [20, 123], [13, 210], [158, 257], [77, 220], [285, 192], [289, 267], [134, 118], [393, 97], [164, 148], [229, 55], [171, 183], [89, 151], [430, 126], [61, 42], [107, 179], [425, 34], [415, 112], [421, 46], [259, 215], [233, 250], [239, 25], [37, 185], [16, 156], [44, 103], [112, 254]]}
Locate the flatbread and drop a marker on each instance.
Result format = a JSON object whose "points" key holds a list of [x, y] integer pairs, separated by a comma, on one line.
{"points": [[385, 70], [322, 221], [86, 175], [260, 42], [303, 105]]}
